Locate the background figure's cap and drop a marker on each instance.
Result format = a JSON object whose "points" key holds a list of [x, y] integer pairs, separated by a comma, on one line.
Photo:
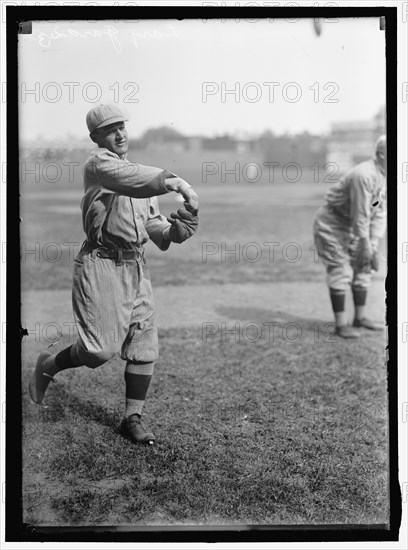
{"points": [[103, 115], [381, 145]]}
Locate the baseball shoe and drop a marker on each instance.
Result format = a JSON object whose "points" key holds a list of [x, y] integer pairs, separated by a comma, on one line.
{"points": [[39, 379], [133, 429], [344, 331], [366, 323]]}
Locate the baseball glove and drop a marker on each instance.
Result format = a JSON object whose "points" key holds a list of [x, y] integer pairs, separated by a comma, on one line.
{"points": [[183, 225]]}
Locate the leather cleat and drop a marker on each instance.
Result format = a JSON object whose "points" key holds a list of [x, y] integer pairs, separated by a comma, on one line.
{"points": [[345, 331], [39, 379], [366, 323], [133, 429]]}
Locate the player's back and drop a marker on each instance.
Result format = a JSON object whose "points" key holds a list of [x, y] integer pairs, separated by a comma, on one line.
{"points": [[338, 196]]}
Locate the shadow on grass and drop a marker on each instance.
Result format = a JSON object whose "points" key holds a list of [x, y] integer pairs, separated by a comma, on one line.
{"points": [[62, 405]]}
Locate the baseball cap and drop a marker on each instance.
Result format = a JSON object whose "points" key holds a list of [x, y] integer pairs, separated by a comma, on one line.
{"points": [[103, 115]]}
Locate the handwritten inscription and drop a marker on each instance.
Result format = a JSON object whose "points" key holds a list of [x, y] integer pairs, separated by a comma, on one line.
{"points": [[45, 40]]}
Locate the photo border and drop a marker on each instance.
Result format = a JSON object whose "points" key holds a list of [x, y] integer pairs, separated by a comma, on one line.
{"points": [[16, 530]]}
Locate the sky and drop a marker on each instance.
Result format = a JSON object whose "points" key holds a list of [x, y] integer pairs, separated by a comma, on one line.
{"points": [[284, 77]]}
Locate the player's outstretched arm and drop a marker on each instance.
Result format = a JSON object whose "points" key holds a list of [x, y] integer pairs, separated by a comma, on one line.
{"points": [[106, 169]]}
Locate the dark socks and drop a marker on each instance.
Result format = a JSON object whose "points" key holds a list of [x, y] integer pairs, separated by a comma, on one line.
{"points": [[359, 296], [137, 378], [338, 300], [65, 359]]}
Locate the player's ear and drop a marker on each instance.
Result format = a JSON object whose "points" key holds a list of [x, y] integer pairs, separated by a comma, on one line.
{"points": [[94, 137]]}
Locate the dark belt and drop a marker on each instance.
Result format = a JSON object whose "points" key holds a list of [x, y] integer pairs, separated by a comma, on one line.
{"points": [[117, 254]]}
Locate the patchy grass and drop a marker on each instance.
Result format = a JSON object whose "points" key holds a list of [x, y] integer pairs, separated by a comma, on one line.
{"points": [[271, 433]]}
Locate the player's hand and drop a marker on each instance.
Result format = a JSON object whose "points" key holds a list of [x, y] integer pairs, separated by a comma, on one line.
{"points": [[364, 255], [191, 201], [375, 261], [186, 191], [183, 225]]}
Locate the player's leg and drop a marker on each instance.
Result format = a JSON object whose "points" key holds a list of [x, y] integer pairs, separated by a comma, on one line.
{"points": [[360, 285], [331, 240], [338, 280], [140, 351], [102, 305], [137, 378], [47, 366]]}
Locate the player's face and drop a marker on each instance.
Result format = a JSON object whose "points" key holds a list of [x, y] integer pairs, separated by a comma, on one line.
{"points": [[114, 137], [383, 160]]}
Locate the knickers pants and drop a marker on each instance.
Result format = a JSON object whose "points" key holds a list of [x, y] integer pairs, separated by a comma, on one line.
{"points": [[114, 310], [337, 245]]}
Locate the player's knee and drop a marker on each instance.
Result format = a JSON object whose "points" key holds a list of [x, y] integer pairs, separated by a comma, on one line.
{"points": [[338, 278], [151, 356], [138, 355], [144, 347], [361, 285]]}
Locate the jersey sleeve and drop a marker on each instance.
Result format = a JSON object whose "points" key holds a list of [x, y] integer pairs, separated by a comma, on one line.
{"points": [[378, 222], [156, 224], [360, 205], [122, 177]]}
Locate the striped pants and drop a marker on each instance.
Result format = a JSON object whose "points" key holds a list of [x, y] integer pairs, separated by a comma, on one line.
{"points": [[114, 310], [336, 246]]}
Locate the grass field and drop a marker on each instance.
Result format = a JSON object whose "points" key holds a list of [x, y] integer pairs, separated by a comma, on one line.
{"points": [[251, 428]]}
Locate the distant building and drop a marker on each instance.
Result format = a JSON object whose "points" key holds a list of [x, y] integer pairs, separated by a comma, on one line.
{"points": [[352, 142], [175, 146], [168, 139], [304, 150], [195, 143], [245, 146]]}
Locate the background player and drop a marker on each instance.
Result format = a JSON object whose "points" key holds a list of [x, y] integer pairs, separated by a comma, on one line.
{"points": [[347, 230]]}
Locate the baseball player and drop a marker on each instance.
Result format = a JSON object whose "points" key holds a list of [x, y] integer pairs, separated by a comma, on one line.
{"points": [[112, 293], [347, 230]]}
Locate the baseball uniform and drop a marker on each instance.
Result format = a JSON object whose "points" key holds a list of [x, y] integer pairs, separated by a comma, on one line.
{"points": [[355, 207], [112, 300]]}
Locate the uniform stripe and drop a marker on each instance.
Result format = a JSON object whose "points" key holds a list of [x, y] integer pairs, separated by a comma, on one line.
{"points": [[140, 368]]}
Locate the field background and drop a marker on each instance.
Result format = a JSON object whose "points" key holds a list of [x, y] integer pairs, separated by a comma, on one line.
{"points": [[264, 430]]}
